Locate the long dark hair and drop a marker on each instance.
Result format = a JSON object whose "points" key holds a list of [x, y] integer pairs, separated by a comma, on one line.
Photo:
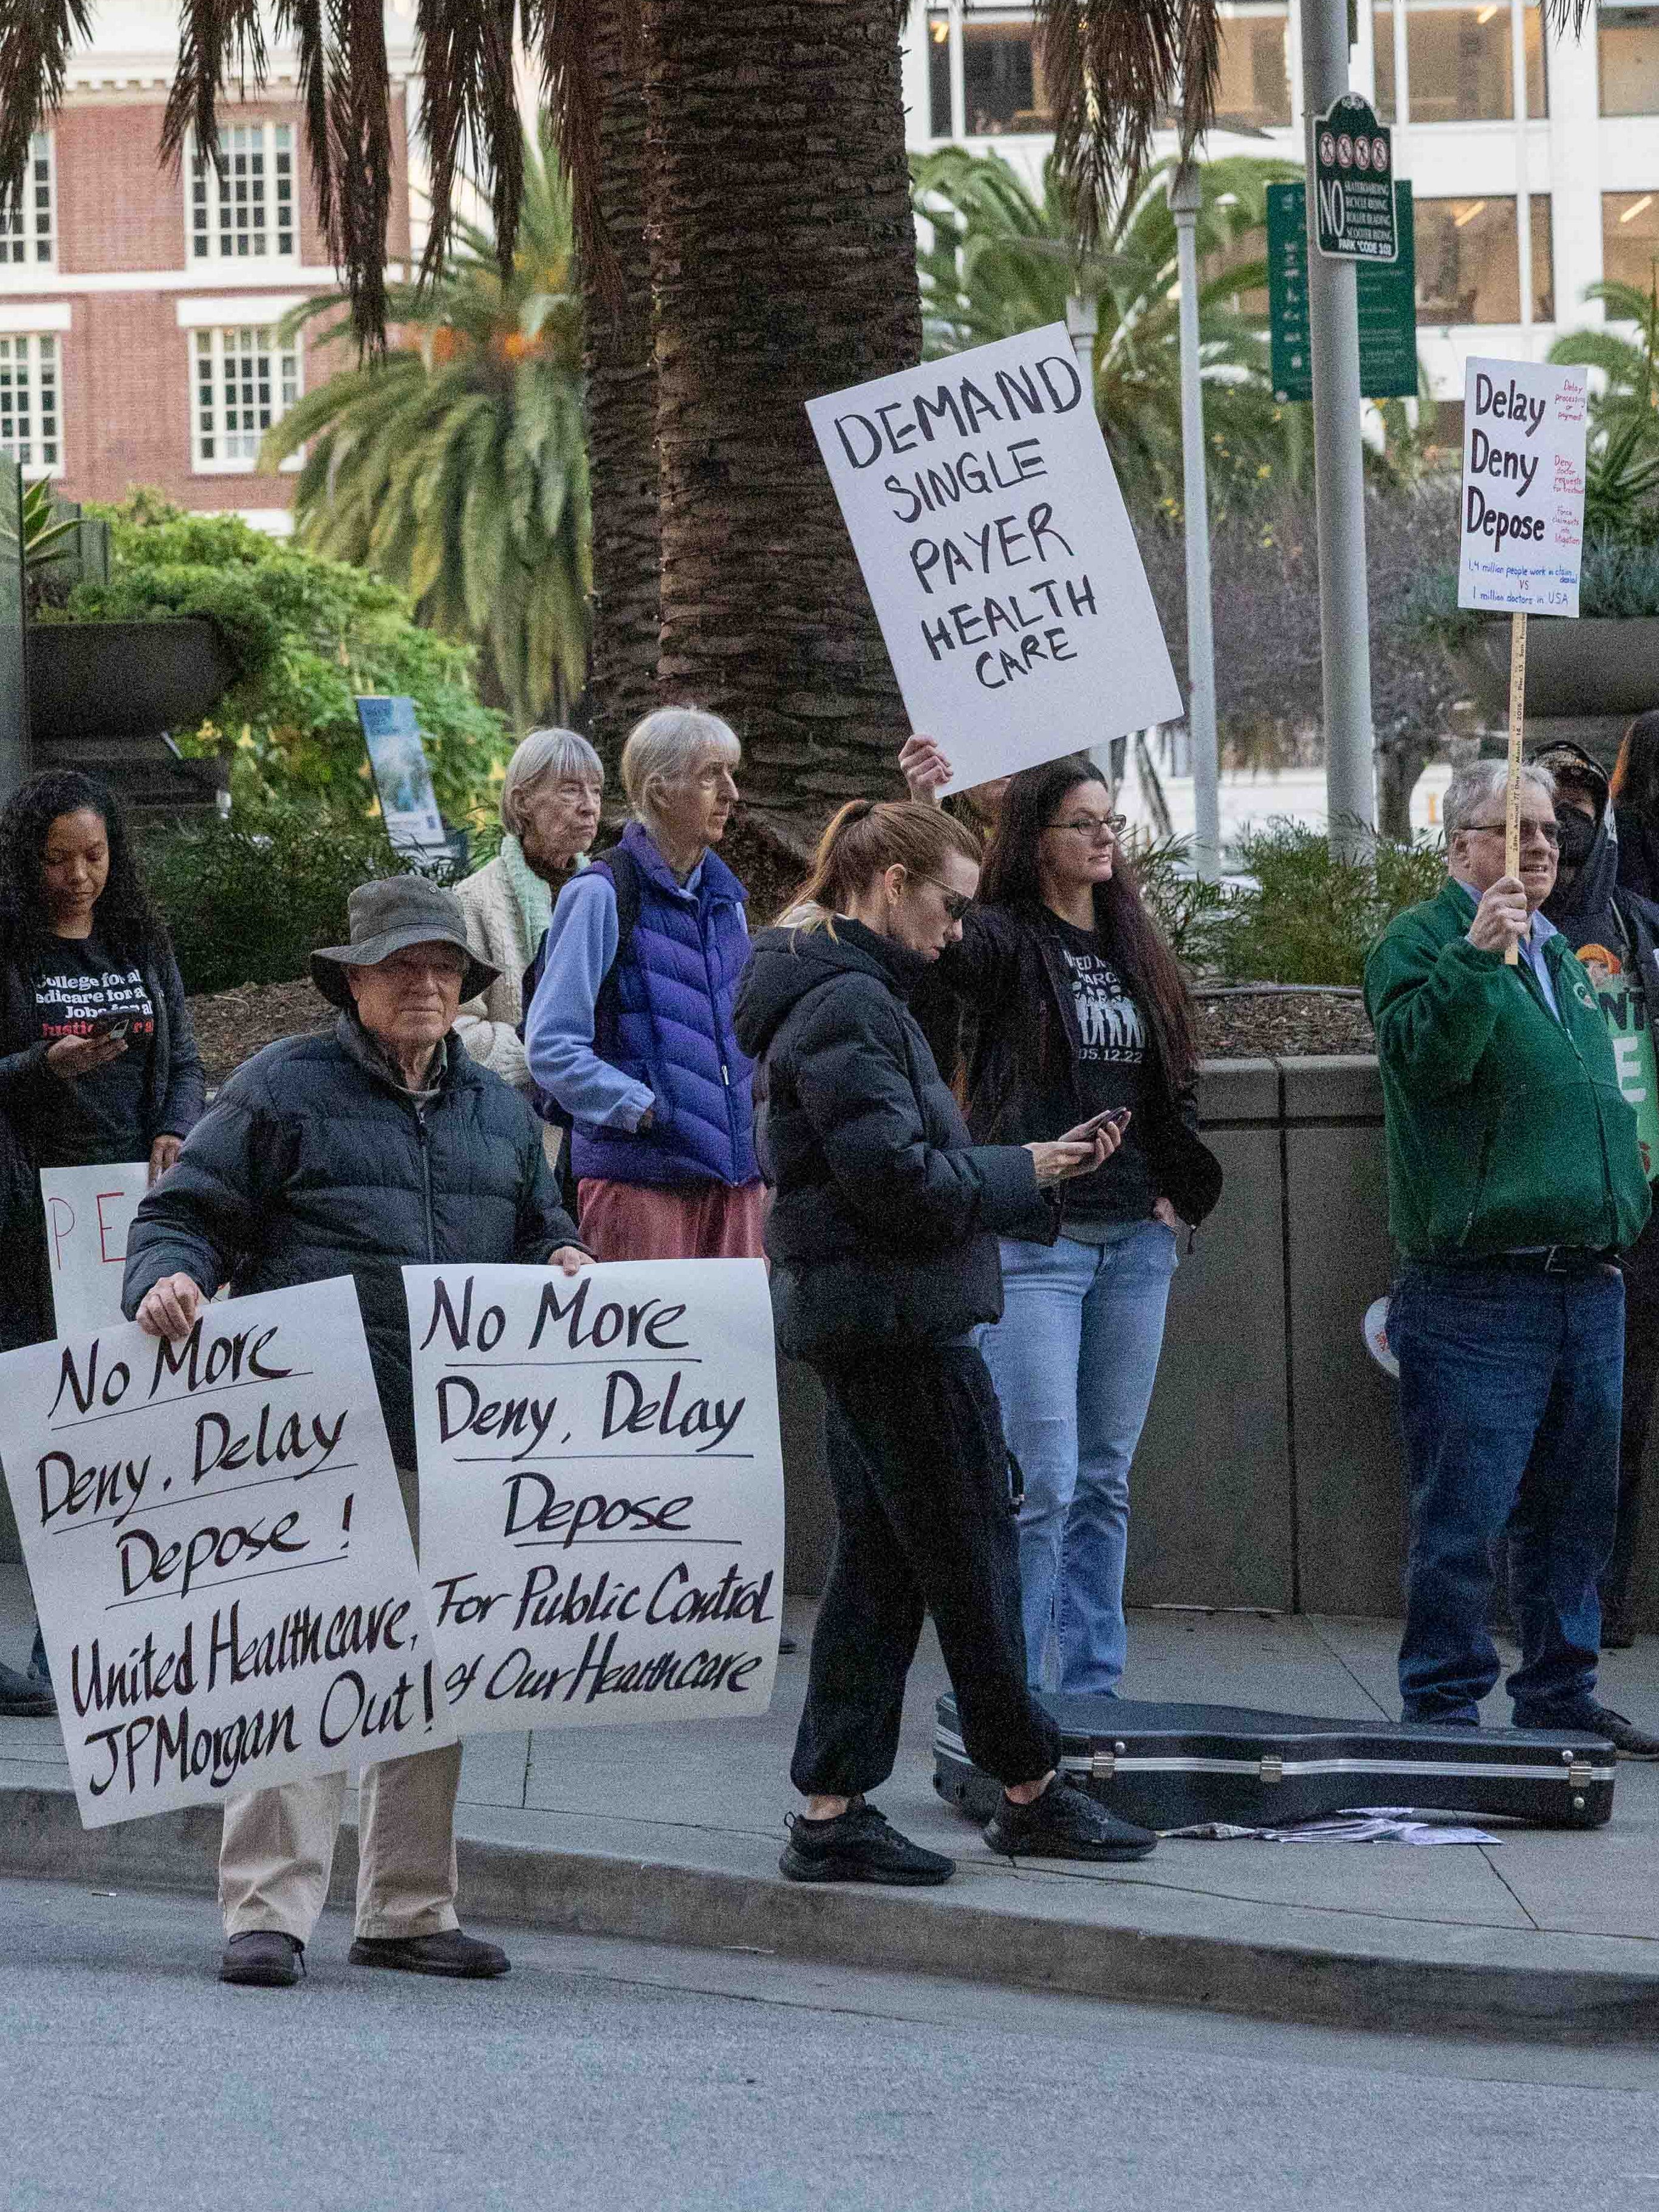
{"points": [[1131, 937], [1636, 772], [126, 921]]}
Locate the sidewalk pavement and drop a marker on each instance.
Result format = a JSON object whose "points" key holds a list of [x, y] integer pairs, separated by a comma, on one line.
{"points": [[671, 1833]]}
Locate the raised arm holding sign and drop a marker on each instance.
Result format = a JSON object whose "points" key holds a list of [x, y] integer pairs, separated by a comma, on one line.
{"points": [[1522, 519]]}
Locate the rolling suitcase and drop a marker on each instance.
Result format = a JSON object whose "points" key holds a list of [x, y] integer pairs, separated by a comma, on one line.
{"points": [[1170, 1766]]}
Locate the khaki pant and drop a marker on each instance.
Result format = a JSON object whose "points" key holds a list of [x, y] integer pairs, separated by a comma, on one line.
{"points": [[277, 1851]]}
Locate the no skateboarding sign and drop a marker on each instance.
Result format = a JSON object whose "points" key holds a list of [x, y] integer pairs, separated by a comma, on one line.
{"points": [[1354, 179]]}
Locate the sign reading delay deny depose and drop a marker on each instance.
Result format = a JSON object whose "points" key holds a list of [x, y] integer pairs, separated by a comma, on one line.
{"points": [[1523, 488], [219, 1553], [601, 1490], [997, 554]]}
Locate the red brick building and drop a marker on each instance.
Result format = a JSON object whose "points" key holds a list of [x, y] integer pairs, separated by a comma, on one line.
{"points": [[140, 306]]}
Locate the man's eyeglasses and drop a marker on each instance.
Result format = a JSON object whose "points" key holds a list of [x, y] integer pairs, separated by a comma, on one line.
{"points": [[956, 903], [1549, 831], [1093, 826]]}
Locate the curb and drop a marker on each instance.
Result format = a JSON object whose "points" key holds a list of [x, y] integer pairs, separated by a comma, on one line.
{"points": [[598, 1893]]}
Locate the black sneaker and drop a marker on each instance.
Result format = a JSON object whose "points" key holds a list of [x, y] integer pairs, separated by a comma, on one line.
{"points": [[1627, 1739], [859, 1846], [263, 1958], [1064, 1823], [24, 1697], [462, 1958]]}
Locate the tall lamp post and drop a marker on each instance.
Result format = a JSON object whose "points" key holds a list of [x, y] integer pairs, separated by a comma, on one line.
{"points": [[1184, 202]]}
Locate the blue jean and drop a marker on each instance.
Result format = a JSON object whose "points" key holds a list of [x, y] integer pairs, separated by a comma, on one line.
{"points": [[1510, 1402], [1074, 1358]]}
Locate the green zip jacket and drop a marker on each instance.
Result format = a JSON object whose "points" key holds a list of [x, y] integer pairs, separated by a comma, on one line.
{"points": [[1505, 1126]]}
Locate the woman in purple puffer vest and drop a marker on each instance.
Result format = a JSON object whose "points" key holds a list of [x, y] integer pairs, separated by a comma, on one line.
{"points": [[630, 1030]]}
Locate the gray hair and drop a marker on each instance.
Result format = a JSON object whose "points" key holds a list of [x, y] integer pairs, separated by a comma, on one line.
{"points": [[667, 743], [1474, 791], [559, 754]]}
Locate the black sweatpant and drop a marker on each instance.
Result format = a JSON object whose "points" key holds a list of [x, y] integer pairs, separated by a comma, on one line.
{"points": [[919, 1468], [1641, 1271]]}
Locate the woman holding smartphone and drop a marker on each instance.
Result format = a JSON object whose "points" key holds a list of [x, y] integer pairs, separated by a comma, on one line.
{"points": [[1080, 1015], [882, 1237], [98, 1061]]}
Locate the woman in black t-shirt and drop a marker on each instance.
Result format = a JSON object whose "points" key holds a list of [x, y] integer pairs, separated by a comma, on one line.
{"points": [[98, 1061], [1080, 1009]]}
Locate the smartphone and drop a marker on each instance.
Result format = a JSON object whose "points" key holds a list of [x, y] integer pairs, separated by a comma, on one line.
{"points": [[1113, 1117], [109, 1026]]}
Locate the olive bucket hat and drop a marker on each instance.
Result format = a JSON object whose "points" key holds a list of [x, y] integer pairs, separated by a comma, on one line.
{"points": [[385, 918]]}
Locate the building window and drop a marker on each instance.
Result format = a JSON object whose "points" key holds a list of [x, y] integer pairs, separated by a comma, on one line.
{"points": [[1469, 261], [1630, 239], [1002, 72], [1458, 61], [30, 422], [1254, 85], [246, 379], [1627, 47], [243, 209], [26, 231]]}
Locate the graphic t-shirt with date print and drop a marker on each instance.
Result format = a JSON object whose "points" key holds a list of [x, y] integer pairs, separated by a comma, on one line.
{"points": [[1110, 1072], [78, 983]]}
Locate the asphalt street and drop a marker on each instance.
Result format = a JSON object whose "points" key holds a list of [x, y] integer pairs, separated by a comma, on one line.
{"points": [[615, 2076]]}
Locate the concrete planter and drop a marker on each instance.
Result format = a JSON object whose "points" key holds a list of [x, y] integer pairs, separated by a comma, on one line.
{"points": [[1575, 670], [122, 679]]}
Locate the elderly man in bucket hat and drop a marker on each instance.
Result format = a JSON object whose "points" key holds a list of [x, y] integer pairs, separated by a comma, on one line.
{"points": [[378, 1144]]}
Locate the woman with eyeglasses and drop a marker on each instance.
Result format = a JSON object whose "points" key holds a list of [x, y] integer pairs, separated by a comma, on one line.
{"points": [[883, 1238], [1080, 1008]]}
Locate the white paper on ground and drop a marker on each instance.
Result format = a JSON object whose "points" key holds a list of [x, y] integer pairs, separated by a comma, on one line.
{"points": [[219, 1552], [1364, 1824], [998, 554], [89, 1211], [601, 1490]]}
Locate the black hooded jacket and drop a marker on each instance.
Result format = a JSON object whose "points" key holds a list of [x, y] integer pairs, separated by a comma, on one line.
{"points": [[883, 1230]]}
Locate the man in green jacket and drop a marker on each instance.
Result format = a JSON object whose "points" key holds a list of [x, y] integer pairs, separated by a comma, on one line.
{"points": [[1514, 1178]]}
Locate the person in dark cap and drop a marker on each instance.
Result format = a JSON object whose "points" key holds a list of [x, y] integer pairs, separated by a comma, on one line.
{"points": [[380, 1145], [1615, 933]]}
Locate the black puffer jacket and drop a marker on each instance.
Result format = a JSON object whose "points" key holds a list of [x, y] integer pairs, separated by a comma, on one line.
{"points": [[884, 1225], [311, 1163], [30, 1095]]}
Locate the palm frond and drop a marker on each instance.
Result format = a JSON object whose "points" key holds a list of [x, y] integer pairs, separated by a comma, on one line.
{"points": [[35, 38]]}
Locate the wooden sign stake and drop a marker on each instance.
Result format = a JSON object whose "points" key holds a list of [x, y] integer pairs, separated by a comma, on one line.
{"points": [[1512, 792]]}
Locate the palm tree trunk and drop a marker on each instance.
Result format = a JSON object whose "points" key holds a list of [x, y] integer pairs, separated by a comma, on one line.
{"points": [[622, 396], [783, 257]]}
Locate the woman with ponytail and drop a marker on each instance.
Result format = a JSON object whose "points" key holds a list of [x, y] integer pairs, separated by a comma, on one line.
{"points": [[1076, 1006], [882, 1237]]}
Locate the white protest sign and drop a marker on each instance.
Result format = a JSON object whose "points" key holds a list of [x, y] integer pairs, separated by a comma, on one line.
{"points": [[997, 554], [601, 1490], [1523, 487], [87, 1213], [219, 1553]]}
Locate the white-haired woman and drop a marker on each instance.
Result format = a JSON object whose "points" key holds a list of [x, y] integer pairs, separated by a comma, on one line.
{"points": [[550, 817], [630, 1027]]}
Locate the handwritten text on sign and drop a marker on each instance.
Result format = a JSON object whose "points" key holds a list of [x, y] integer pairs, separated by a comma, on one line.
{"points": [[219, 1552], [601, 1490], [997, 554], [89, 1211], [1523, 488]]}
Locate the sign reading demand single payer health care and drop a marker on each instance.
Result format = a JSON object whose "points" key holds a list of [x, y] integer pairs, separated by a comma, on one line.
{"points": [[998, 554], [601, 1490], [217, 1547], [1523, 488]]}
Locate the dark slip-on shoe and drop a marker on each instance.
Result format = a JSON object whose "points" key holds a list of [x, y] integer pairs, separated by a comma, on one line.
{"points": [[463, 1958], [24, 1697], [1064, 1823], [264, 1958]]}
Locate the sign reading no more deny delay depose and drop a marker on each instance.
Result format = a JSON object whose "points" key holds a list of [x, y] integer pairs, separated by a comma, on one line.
{"points": [[219, 1552], [1523, 488], [601, 1490], [998, 554]]}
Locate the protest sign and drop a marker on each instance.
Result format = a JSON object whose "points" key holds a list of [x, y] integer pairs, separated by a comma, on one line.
{"points": [[997, 554], [601, 1490], [219, 1553], [87, 1212], [1522, 520]]}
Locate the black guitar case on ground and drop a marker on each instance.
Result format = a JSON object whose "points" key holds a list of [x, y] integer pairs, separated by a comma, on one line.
{"points": [[1170, 1766]]}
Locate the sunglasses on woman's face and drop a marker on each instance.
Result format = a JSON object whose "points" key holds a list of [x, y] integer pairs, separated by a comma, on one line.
{"points": [[956, 903]]}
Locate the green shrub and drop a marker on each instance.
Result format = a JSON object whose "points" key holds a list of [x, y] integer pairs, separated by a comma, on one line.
{"points": [[1187, 907], [1618, 579], [246, 900], [179, 589], [1309, 918]]}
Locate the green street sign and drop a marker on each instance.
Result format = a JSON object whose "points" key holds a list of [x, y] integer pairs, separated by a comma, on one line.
{"points": [[1387, 303], [1354, 172]]}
